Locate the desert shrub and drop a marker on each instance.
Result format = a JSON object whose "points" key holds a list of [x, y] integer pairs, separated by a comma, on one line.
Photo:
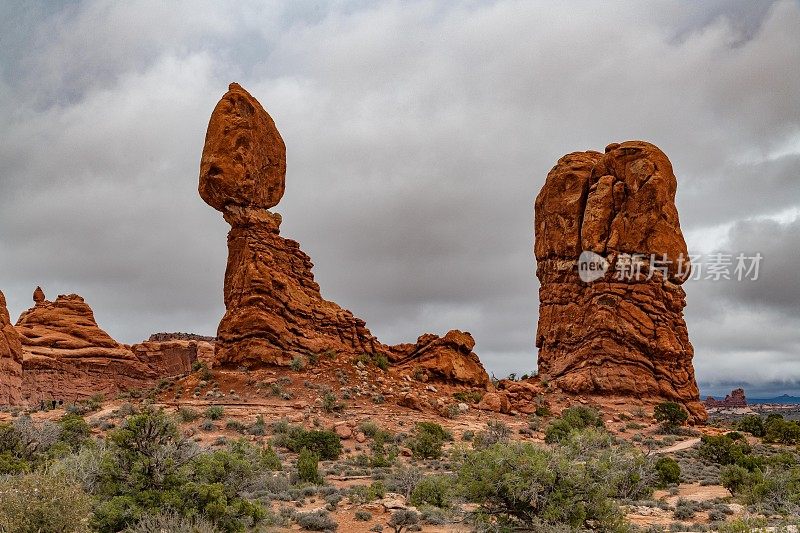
{"points": [[382, 362], [383, 455], [324, 443], [428, 440], [668, 471], [85, 406], [367, 493], [84, 466], [404, 480], [369, 428], [723, 450], [735, 478], [331, 404], [215, 412], [685, 509], [308, 467], [363, 516], [778, 430], [776, 491], [150, 468], [403, 519], [297, 364], [472, 396], [187, 414], [496, 432], [43, 503], [171, 522], [235, 425], [432, 490], [573, 418], [10, 464], [316, 521], [74, 430], [259, 427], [670, 414], [526, 486]]}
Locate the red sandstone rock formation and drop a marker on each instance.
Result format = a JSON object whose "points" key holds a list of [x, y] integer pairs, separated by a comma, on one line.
{"points": [[735, 399], [173, 358], [66, 356], [614, 336], [275, 311], [244, 158], [10, 359], [449, 358]]}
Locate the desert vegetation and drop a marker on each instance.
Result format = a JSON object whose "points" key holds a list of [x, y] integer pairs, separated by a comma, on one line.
{"points": [[140, 470]]}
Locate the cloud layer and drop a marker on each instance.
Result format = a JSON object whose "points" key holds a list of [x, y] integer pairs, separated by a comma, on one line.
{"points": [[418, 136]]}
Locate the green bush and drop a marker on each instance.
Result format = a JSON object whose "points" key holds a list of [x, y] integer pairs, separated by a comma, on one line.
{"points": [[472, 396], [573, 418], [735, 478], [43, 503], [432, 490], [74, 430], [215, 412], [382, 362], [150, 468], [428, 440], [670, 414], [367, 493], [324, 443], [668, 471], [722, 449], [308, 467], [331, 404], [530, 487], [297, 364], [780, 431], [187, 414]]}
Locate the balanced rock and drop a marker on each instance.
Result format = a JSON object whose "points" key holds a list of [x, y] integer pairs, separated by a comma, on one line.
{"points": [[10, 359], [619, 331], [449, 358], [274, 309], [244, 158], [67, 356]]}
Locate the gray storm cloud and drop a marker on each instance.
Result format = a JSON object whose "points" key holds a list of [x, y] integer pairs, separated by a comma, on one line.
{"points": [[418, 136]]}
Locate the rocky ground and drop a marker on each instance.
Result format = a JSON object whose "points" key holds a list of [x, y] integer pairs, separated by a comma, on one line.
{"points": [[353, 398]]}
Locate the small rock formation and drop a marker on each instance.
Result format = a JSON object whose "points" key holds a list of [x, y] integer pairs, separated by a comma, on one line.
{"points": [[67, 356], [622, 334], [274, 309], [735, 399], [173, 358], [449, 358], [179, 336], [10, 359]]}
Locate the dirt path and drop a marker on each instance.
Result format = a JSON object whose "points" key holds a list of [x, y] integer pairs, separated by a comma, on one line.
{"points": [[682, 445]]}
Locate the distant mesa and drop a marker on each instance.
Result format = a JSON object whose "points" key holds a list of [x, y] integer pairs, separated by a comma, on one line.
{"points": [[735, 399], [623, 334]]}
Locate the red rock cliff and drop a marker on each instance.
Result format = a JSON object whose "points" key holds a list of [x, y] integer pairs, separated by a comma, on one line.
{"points": [[10, 359]]}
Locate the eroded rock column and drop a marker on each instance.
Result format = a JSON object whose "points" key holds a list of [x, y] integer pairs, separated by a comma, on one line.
{"points": [[622, 333], [274, 309]]}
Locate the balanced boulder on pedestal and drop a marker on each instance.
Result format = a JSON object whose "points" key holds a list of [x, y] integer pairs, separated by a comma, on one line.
{"points": [[274, 309]]}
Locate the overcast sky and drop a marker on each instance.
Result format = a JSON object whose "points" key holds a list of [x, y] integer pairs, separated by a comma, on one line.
{"points": [[418, 135]]}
